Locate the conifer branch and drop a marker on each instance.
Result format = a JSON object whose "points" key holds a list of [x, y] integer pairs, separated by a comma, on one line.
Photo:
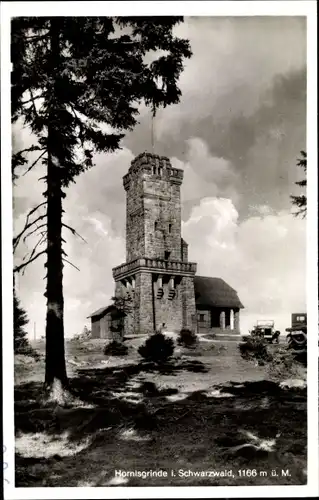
{"points": [[35, 162], [27, 150], [301, 213], [32, 38], [32, 99], [34, 231], [65, 260], [74, 232], [17, 269], [40, 241], [33, 103], [28, 224]]}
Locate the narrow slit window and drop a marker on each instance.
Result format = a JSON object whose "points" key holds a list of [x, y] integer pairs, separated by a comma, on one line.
{"points": [[169, 228], [155, 225]]}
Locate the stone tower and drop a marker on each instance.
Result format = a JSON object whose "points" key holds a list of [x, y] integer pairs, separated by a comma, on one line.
{"points": [[156, 273]]}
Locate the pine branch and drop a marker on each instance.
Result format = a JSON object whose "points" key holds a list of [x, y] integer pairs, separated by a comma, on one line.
{"points": [[301, 213], [18, 158], [33, 103], [35, 38], [17, 239], [27, 150], [41, 240], [302, 183], [17, 269], [28, 224], [34, 231], [65, 260], [74, 232], [32, 99], [35, 162]]}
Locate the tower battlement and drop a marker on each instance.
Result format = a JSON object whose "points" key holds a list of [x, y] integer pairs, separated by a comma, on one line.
{"points": [[147, 165]]}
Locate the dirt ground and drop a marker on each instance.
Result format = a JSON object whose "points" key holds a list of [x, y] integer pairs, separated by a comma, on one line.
{"points": [[206, 418]]}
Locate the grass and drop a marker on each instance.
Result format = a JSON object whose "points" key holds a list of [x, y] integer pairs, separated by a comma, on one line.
{"points": [[209, 410]]}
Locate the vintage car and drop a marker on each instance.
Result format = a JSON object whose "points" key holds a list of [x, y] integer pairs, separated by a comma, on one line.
{"points": [[266, 330], [297, 333]]}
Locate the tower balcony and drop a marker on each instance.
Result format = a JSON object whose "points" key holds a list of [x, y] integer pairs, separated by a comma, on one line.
{"points": [[175, 267]]}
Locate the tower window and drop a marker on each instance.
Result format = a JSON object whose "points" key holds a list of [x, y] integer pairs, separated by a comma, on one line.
{"points": [[154, 170], [169, 228], [167, 255]]}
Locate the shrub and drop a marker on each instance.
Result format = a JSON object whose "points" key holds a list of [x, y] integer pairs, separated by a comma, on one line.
{"points": [[255, 349], [284, 365], [187, 338], [157, 348], [115, 348], [20, 320]]}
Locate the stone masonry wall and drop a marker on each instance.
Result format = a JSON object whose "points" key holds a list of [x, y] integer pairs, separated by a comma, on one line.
{"points": [[169, 311], [162, 218], [144, 319], [135, 229], [153, 208], [188, 302]]}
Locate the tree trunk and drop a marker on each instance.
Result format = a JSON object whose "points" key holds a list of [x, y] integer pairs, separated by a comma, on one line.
{"points": [[55, 367]]}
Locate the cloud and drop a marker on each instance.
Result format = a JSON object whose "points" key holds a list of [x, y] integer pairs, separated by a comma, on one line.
{"points": [[263, 257], [234, 60], [205, 175], [244, 96]]}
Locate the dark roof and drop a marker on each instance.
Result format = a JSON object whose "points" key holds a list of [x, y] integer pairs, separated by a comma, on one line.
{"points": [[215, 292], [115, 313], [102, 311]]}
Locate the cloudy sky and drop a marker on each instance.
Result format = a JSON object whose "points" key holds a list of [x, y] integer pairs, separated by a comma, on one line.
{"points": [[236, 133]]}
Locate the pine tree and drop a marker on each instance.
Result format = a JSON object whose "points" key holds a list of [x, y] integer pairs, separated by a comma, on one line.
{"points": [[300, 201], [123, 307], [70, 76], [20, 320]]}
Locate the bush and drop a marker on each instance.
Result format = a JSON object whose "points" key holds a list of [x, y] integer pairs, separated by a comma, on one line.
{"points": [[255, 349], [157, 348], [20, 320], [187, 338], [285, 365], [282, 364], [115, 348]]}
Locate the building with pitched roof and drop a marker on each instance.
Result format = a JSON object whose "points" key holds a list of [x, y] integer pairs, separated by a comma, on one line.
{"points": [[157, 277]]}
